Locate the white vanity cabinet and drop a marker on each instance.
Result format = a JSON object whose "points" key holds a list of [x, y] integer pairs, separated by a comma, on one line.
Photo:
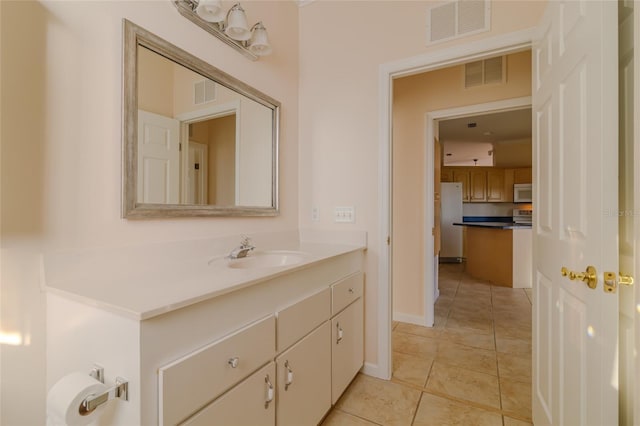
{"points": [[347, 334], [225, 347], [249, 403], [210, 371], [304, 380]]}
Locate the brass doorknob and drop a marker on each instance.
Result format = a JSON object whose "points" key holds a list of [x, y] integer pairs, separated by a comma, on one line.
{"points": [[590, 277]]}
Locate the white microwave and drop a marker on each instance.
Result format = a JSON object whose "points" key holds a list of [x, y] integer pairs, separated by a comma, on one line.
{"points": [[522, 193]]}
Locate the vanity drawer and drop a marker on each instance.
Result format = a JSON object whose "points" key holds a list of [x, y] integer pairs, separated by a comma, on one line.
{"points": [[299, 319], [189, 383], [345, 292]]}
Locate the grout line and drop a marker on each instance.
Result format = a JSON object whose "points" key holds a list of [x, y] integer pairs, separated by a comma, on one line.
{"points": [[415, 413]]}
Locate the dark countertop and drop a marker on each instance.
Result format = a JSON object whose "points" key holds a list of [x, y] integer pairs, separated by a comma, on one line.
{"points": [[495, 225]]}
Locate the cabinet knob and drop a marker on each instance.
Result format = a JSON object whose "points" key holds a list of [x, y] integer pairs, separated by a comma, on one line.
{"points": [[351, 290], [233, 362]]}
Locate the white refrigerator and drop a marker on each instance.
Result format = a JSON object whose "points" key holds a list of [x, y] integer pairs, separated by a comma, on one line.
{"points": [[451, 212]]}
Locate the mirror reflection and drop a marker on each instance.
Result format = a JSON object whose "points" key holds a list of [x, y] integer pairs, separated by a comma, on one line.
{"points": [[199, 142]]}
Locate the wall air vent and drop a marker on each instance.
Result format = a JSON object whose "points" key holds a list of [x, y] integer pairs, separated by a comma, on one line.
{"points": [[488, 71], [459, 18], [204, 91]]}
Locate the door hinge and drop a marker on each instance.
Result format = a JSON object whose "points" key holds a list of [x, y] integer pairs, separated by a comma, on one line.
{"points": [[180, 146], [388, 240]]}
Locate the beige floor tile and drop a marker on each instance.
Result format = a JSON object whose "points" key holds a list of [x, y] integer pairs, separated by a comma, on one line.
{"points": [[442, 311], [513, 345], [516, 397], [444, 300], [508, 421], [440, 320], [515, 366], [434, 410], [479, 326], [418, 330], [464, 384], [469, 338], [514, 331], [380, 401], [411, 368], [340, 418], [414, 345], [480, 360]]}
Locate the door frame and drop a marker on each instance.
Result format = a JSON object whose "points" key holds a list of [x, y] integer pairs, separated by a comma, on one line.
{"points": [[431, 290], [456, 55]]}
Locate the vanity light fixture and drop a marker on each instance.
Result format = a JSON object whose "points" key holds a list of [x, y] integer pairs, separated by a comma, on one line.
{"points": [[230, 27]]}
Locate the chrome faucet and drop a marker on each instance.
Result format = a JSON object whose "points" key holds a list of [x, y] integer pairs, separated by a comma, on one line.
{"points": [[242, 250]]}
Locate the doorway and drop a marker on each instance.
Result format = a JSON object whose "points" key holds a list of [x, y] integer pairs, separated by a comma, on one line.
{"points": [[500, 45]]}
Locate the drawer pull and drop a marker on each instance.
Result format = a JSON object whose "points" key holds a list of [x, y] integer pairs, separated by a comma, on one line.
{"points": [[351, 290], [270, 392], [340, 332], [289, 379], [233, 362]]}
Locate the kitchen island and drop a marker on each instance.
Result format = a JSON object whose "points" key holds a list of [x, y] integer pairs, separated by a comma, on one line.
{"points": [[499, 252]]}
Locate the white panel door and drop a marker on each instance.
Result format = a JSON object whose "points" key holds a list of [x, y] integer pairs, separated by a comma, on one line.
{"points": [[158, 159], [575, 132]]}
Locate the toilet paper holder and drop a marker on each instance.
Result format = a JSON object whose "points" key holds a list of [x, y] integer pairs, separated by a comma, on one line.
{"points": [[120, 391]]}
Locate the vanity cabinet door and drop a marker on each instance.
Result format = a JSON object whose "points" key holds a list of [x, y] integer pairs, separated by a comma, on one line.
{"points": [[251, 402], [347, 347], [189, 383], [304, 379]]}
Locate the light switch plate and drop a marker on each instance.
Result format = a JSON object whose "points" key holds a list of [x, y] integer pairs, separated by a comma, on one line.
{"points": [[344, 214]]}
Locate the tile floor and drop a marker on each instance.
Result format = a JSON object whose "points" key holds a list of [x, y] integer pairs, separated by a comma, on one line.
{"points": [[472, 368]]}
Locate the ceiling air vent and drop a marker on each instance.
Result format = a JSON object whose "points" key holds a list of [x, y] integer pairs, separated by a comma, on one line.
{"points": [[204, 91], [457, 19], [488, 71]]}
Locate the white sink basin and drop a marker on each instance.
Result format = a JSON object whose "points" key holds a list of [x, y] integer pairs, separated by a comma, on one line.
{"points": [[268, 259]]}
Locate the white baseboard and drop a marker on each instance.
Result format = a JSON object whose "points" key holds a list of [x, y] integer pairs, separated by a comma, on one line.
{"points": [[411, 319], [373, 370]]}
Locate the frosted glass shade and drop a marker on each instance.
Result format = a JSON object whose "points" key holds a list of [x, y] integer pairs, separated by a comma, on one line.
{"points": [[210, 10], [237, 27], [259, 44]]}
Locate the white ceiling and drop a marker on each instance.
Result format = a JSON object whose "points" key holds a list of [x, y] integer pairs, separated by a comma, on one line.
{"points": [[463, 145]]}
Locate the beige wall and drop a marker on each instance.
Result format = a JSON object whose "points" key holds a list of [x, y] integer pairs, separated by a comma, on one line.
{"points": [[61, 150], [413, 97], [342, 45], [155, 83]]}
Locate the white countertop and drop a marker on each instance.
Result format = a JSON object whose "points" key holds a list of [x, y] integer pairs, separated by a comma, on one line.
{"points": [[143, 284]]}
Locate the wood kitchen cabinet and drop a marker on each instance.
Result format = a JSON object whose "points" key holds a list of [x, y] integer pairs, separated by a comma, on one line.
{"points": [[486, 184], [462, 176], [523, 175], [495, 185], [478, 186], [446, 174]]}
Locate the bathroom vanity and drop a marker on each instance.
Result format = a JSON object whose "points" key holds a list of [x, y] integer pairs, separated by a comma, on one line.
{"points": [[203, 341]]}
